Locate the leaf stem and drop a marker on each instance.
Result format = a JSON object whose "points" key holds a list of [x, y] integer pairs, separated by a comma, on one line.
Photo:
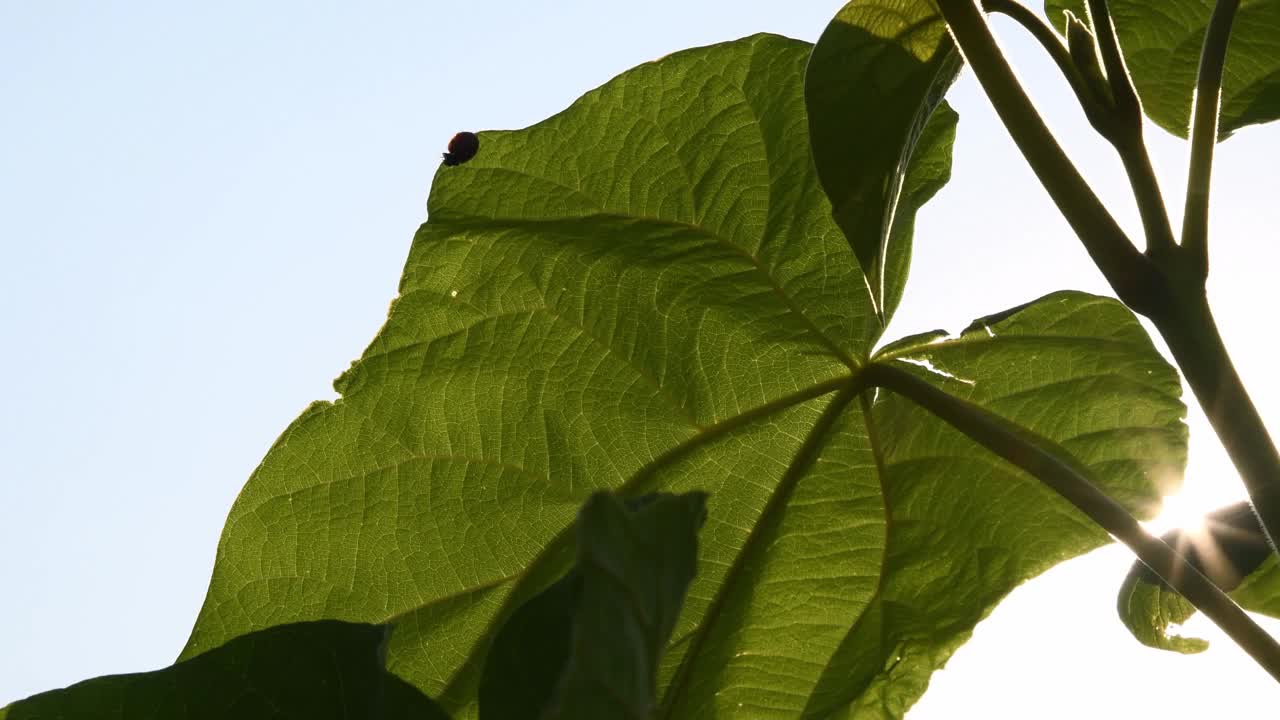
{"points": [[1058, 52], [1161, 284], [1039, 457], [1132, 150], [1112, 123], [1132, 275], [1204, 134], [1197, 347]]}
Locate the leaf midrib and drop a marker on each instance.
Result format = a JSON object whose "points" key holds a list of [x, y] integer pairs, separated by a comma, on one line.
{"points": [[804, 458], [845, 357]]}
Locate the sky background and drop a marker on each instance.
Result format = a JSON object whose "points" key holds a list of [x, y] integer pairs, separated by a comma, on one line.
{"points": [[204, 212]]}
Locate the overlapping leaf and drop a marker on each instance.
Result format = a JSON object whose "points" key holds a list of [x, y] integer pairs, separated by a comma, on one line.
{"points": [[312, 670], [648, 292], [1161, 42], [611, 617], [881, 151]]}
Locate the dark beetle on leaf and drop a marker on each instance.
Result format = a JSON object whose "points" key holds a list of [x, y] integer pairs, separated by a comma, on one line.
{"points": [[462, 148]]}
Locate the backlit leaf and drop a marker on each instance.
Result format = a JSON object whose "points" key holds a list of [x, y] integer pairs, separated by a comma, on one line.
{"points": [[648, 292]]}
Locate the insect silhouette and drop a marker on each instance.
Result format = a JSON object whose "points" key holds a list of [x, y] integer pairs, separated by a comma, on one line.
{"points": [[462, 148]]}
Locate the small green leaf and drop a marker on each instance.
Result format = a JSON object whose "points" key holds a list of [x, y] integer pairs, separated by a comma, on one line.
{"points": [[1161, 41], [876, 76], [1230, 549], [1151, 611], [311, 670]]}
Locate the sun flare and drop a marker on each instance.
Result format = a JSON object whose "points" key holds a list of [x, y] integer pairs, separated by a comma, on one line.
{"points": [[1184, 510]]}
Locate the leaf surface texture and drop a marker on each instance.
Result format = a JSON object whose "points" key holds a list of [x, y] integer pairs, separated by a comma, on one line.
{"points": [[648, 292]]}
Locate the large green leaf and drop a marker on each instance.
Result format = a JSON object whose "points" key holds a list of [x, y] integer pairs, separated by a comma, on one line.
{"points": [[589, 645], [1231, 549], [873, 82], [307, 671], [1161, 41], [647, 292]]}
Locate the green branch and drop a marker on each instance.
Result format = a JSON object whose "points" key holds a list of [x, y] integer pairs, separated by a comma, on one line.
{"points": [[1034, 455], [1204, 134], [1197, 347], [1115, 123], [1188, 325], [1130, 273], [1132, 150]]}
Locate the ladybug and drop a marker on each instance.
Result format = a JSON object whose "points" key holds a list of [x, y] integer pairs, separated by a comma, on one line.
{"points": [[462, 148]]}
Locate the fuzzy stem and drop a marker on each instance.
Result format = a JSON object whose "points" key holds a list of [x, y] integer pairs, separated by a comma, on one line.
{"points": [[1132, 150], [1131, 274], [1044, 34], [1192, 335], [1125, 136], [1204, 134]]}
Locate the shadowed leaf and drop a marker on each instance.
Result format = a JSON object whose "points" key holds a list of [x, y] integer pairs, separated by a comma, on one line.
{"points": [[876, 76], [311, 671], [589, 645]]}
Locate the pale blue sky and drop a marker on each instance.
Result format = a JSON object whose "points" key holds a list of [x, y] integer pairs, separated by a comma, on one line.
{"points": [[205, 210]]}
